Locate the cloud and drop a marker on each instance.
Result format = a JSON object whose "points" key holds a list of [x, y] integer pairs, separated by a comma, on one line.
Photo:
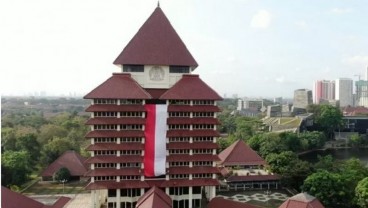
{"points": [[339, 11], [261, 20], [356, 60], [302, 25]]}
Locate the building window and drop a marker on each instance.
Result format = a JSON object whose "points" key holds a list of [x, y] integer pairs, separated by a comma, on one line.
{"points": [[104, 101], [105, 152], [133, 192], [111, 192], [105, 178], [105, 140], [202, 163], [131, 114], [130, 177], [130, 165], [130, 152], [202, 139], [203, 126], [104, 127], [133, 68], [179, 126], [179, 114], [202, 151], [131, 101], [131, 127], [105, 165], [179, 69], [105, 114], [203, 102], [179, 191], [179, 139], [178, 151], [179, 176], [131, 139], [203, 114], [179, 102], [178, 164], [202, 175]]}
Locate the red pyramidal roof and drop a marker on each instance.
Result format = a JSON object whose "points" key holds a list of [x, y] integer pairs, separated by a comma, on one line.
{"points": [[119, 86], [156, 43], [190, 87], [154, 198], [240, 153], [302, 200]]}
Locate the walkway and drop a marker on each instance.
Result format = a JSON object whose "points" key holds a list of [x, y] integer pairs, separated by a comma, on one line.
{"points": [[257, 197]]}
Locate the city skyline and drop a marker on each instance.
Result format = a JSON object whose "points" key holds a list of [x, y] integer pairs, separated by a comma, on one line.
{"points": [[246, 47]]}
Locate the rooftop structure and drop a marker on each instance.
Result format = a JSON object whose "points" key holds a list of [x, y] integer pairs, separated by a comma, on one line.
{"points": [[71, 160], [11, 199], [302, 98], [240, 154], [302, 200]]}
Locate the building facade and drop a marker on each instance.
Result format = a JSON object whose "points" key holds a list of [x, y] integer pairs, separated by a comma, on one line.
{"points": [[302, 98], [344, 91], [324, 90], [361, 88], [154, 124]]}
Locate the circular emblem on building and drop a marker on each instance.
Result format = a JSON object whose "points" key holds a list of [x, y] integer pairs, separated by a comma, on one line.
{"points": [[156, 73]]}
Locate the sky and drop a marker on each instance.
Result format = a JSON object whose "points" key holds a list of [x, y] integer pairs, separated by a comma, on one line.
{"points": [[252, 48]]}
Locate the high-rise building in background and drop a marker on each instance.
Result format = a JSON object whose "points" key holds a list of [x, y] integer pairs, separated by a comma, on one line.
{"points": [[302, 98], [361, 88], [153, 125], [324, 90], [344, 91]]}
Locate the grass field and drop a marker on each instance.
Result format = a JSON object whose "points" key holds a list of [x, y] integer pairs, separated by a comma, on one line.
{"points": [[49, 188]]}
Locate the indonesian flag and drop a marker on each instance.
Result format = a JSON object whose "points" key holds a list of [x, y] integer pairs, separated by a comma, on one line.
{"points": [[155, 144]]}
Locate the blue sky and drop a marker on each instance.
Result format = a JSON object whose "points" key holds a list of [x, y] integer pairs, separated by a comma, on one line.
{"points": [[244, 47]]}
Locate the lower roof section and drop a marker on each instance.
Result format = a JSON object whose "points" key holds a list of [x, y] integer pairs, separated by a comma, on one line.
{"points": [[188, 158], [114, 133], [127, 184], [115, 172], [253, 178], [115, 159], [192, 133], [115, 146]]}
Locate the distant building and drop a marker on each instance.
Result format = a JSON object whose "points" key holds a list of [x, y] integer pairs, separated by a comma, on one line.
{"points": [[361, 88], [324, 90], [274, 111], [240, 105], [344, 91], [277, 100], [302, 98]]}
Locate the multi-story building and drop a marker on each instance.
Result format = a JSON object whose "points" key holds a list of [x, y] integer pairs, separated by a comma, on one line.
{"points": [[324, 90], [302, 98], [154, 124], [344, 91], [361, 88]]}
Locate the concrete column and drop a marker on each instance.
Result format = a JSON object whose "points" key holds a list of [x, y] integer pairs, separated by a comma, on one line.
{"points": [[118, 198], [190, 197]]}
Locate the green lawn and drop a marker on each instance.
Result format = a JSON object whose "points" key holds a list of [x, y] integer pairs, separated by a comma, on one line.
{"points": [[48, 188]]}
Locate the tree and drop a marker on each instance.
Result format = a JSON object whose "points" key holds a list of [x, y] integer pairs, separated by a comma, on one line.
{"points": [[30, 144], [326, 163], [315, 139], [361, 193], [272, 144], [356, 140], [17, 167], [329, 119], [329, 188], [49, 131], [8, 139], [62, 174], [353, 170], [291, 140], [55, 148]]}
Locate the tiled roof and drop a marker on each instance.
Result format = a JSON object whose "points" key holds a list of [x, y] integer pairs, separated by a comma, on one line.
{"points": [[193, 133], [355, 111], [114, 133], [114, 159], [97, 185], [111, 120], [240, 153], [114, 146], [11, 199], [153, 198], [70, 160], [119, 86], [302, 200], [115, 108], [155, 93], [156, 43], [253, 178], [197, 157], [219, 202], [194, 145], [190, 87], [194, 108], [114, 172], [198, 120], [193, 170]]}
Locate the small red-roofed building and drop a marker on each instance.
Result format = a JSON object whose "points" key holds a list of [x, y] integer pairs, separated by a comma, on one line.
{"points": [[71, 160], [219, 202], [245, 168], [153, 198], [11, 199], [302, 200]]}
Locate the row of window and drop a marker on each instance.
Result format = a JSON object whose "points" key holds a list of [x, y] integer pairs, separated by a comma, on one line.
{"points": [[113, 178], [114, 140], [186, 151], [140, 68], [113, 165], [115, 114], [122, 152], [196, 163], [125, 192], [115, 126], [140, 102]]}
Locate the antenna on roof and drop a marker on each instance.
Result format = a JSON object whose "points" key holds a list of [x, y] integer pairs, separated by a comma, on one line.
{"points": [[158, 3]]}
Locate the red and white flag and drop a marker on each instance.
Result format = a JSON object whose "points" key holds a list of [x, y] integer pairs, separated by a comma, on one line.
{"points": [[155, 143]]}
